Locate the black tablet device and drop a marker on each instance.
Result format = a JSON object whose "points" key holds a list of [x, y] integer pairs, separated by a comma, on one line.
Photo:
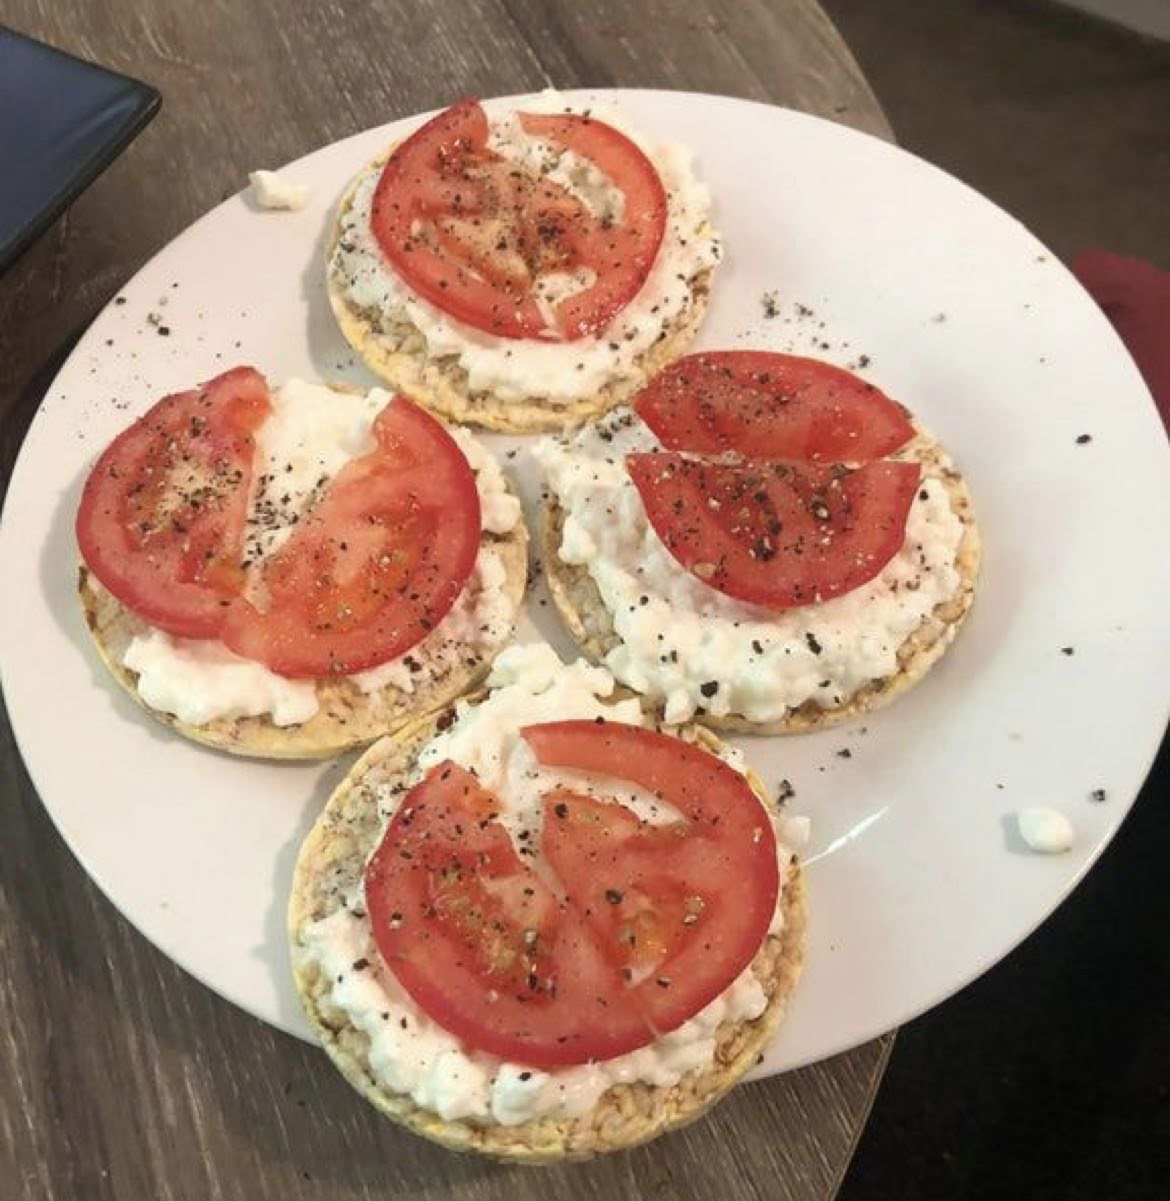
{"points": [[62, 122]]}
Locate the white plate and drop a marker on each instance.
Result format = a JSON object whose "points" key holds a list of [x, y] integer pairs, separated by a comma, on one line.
{"points": [[918, 882]]}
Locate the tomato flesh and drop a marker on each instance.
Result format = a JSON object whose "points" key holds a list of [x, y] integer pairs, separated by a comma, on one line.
{"points": [[473, 232], [161, 519], [377, 564], [631, 930], [777, 534], [481, 942], [771, 406]]}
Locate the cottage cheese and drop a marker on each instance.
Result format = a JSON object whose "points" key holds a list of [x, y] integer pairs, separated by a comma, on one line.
{"points": [[411, 1054], [1046, 831], [310, 436], [274, 191], [679, 637], [521, 369]]}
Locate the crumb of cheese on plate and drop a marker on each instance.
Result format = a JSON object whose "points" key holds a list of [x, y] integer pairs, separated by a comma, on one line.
{"points": [[272, 191], [1046, 831]]}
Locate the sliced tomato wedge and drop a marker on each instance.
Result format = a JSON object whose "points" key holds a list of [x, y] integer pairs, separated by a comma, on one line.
{"points": [[777, 534], [681, 909], [620, 253], [473, 232], [161, 520], [482, 943], [378, 562], [638, 928], [771, 406]]}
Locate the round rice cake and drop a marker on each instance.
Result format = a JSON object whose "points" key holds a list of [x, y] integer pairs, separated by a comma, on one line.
{"points": [[346, 716], [589, 622], [440, 384], [331, 865]]}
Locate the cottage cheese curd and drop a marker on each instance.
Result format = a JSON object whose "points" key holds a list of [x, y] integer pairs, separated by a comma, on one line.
{"points": [[311, 434], [274, 191], [1046, 831], [411, 1054], [521, 369], [690, 647]]}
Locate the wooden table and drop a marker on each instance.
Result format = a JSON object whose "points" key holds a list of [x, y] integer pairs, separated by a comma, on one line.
{"points": [[122, 1078]]}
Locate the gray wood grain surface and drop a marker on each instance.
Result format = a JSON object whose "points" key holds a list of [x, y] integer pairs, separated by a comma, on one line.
{"points": [[121, 1078]]}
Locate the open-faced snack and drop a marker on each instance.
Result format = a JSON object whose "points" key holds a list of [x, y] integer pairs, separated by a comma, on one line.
{"points": [[539, 926], [764, 541], [522, 268], [290, 572]]}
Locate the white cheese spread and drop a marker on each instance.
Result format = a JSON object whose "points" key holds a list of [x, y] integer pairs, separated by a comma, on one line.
{"points": [[199, 680], [1046, 831], [309, 437], [520, 369], [273, 191], [411, 1054], [689, 647]]}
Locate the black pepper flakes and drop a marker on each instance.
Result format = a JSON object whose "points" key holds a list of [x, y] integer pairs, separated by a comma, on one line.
{"points": [[1082, 439], [1097, 795], [613, 896], [709, 689]]}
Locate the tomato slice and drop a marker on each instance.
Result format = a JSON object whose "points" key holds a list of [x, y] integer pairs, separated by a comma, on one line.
{"points": [[771, 406], [482, 943], [377, 563], [777, 534], [161, 520], [639, 928], [681, 908], [623, 252], [474, 233]]}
